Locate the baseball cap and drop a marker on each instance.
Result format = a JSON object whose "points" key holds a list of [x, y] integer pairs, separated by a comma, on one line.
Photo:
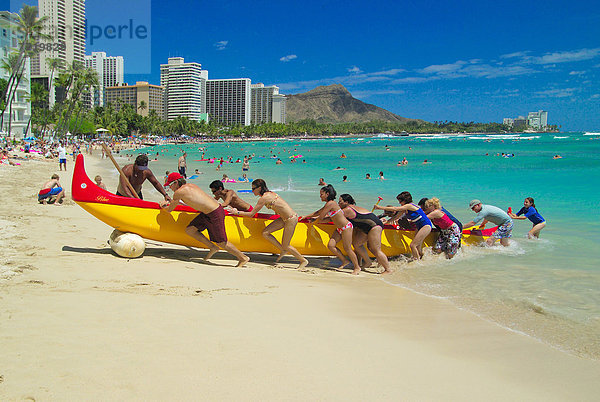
{"points": [[473, 203], [142, 162], [172, 177]]}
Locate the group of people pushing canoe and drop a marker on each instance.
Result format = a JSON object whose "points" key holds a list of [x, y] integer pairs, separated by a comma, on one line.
{"points": [[356, 227]]}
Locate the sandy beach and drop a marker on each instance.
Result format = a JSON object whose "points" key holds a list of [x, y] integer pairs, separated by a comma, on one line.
{"points": [[78, 322]]}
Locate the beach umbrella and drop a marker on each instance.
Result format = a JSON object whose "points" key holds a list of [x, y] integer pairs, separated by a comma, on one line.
{"points": [[30, 138]]}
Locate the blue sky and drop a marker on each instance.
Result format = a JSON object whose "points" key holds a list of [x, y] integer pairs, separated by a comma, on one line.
{"points": [[433, 60]]}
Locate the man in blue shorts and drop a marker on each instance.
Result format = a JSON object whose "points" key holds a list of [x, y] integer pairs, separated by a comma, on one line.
{"points": [[490, 213]]}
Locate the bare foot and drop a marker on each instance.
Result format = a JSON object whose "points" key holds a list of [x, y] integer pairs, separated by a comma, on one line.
{"points": [[387, 271], [366, 263], [211, 252], [344, 265], [243, 261], [303, 264], [356, 271], [279, 257]]}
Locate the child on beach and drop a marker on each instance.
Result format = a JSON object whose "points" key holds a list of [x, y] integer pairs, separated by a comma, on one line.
{"points": [[530, 212], [98, 180]]}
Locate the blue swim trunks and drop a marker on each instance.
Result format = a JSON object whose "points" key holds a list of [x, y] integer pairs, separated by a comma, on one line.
{"points": [[504, 231], [43, 194], [62, 161]]}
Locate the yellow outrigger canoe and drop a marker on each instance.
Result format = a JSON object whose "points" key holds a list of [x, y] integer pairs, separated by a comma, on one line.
{"points": [[148, 220]]}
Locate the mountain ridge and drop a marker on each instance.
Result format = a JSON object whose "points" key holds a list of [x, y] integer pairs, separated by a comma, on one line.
{"points": [[335, 104]]}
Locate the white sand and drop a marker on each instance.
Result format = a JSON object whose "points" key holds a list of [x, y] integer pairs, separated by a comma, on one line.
{"points": [[77, 322]]}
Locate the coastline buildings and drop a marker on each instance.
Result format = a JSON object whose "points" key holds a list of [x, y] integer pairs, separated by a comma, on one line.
{"points": [[185, 89], [535, 121], [20, 110], [143, 96], [228, 101], [66, 26], [110, 70], [266, 104]]}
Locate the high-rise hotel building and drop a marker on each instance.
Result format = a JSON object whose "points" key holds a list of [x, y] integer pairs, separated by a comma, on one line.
{"points": [[110, 70], [20, 109], [267, 105], [142, 96], [65, 24], [185, 89], [228, 101]]}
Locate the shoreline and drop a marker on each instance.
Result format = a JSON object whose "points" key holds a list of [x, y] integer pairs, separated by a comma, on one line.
{"points": [[80, 322]]}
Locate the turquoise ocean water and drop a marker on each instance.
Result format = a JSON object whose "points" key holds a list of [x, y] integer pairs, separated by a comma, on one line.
{"points": [[547, 288]]}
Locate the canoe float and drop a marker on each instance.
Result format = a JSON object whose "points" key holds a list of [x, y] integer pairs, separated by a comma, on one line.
{"points": [[148, 220]]}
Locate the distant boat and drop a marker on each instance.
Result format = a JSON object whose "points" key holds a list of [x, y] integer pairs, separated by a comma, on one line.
{"points": [[589, 133]]}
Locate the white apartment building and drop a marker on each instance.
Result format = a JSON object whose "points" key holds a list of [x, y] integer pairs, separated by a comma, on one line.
{"points": [[228, 101], [66, 26], [538, 120], [185, 89], [266, 105], [279, 102], [21, 106], [110, 70]]}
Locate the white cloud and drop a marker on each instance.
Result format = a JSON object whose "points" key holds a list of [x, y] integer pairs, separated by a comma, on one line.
{"points": [[354, 70], [577, 72], [221, 45], [287, 58], [442, 68], [367, 93], [595, 96], [556, 93], [515, 54], [568, 56]]}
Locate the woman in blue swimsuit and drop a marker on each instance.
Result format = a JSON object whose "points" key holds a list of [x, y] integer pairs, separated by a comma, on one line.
{"points": [[530, 212], [415, 214]]}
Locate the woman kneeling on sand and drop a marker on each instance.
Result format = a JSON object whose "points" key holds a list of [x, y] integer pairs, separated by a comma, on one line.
{"points": [[288, 219], [344, 227], [367, 229]]}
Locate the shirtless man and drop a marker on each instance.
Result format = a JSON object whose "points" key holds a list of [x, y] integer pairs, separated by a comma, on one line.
{"points": [[211, 217], [137, 173], [182, 165], [229, 197], [51, 189]]}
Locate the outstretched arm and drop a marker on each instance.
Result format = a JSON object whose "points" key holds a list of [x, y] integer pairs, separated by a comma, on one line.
{"points": [[158, 186], [258, 207]]}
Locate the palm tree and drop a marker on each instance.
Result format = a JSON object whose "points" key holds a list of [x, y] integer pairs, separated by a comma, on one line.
{"points": [[142, 106], [37, 97], [53, 63], [31, 27], [10, 65]]}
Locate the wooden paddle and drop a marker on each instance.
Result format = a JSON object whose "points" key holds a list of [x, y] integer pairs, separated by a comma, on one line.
{"points": [[109, 154]]}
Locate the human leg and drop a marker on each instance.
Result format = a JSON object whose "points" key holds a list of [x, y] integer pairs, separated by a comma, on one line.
{"points": [[416, 246], [233, 250], [331, 245], [535, 230], [359, 238], [195, 233], [347, 242], [289, 227], [374, 242]]}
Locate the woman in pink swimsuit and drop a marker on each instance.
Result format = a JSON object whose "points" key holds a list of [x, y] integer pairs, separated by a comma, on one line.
{"points": [[332, 210]]}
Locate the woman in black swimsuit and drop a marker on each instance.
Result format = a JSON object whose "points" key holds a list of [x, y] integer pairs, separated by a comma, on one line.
{"points": [[369, 228]]}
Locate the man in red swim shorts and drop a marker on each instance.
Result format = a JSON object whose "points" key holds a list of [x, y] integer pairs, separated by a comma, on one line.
{"points": [[211, 217]]}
